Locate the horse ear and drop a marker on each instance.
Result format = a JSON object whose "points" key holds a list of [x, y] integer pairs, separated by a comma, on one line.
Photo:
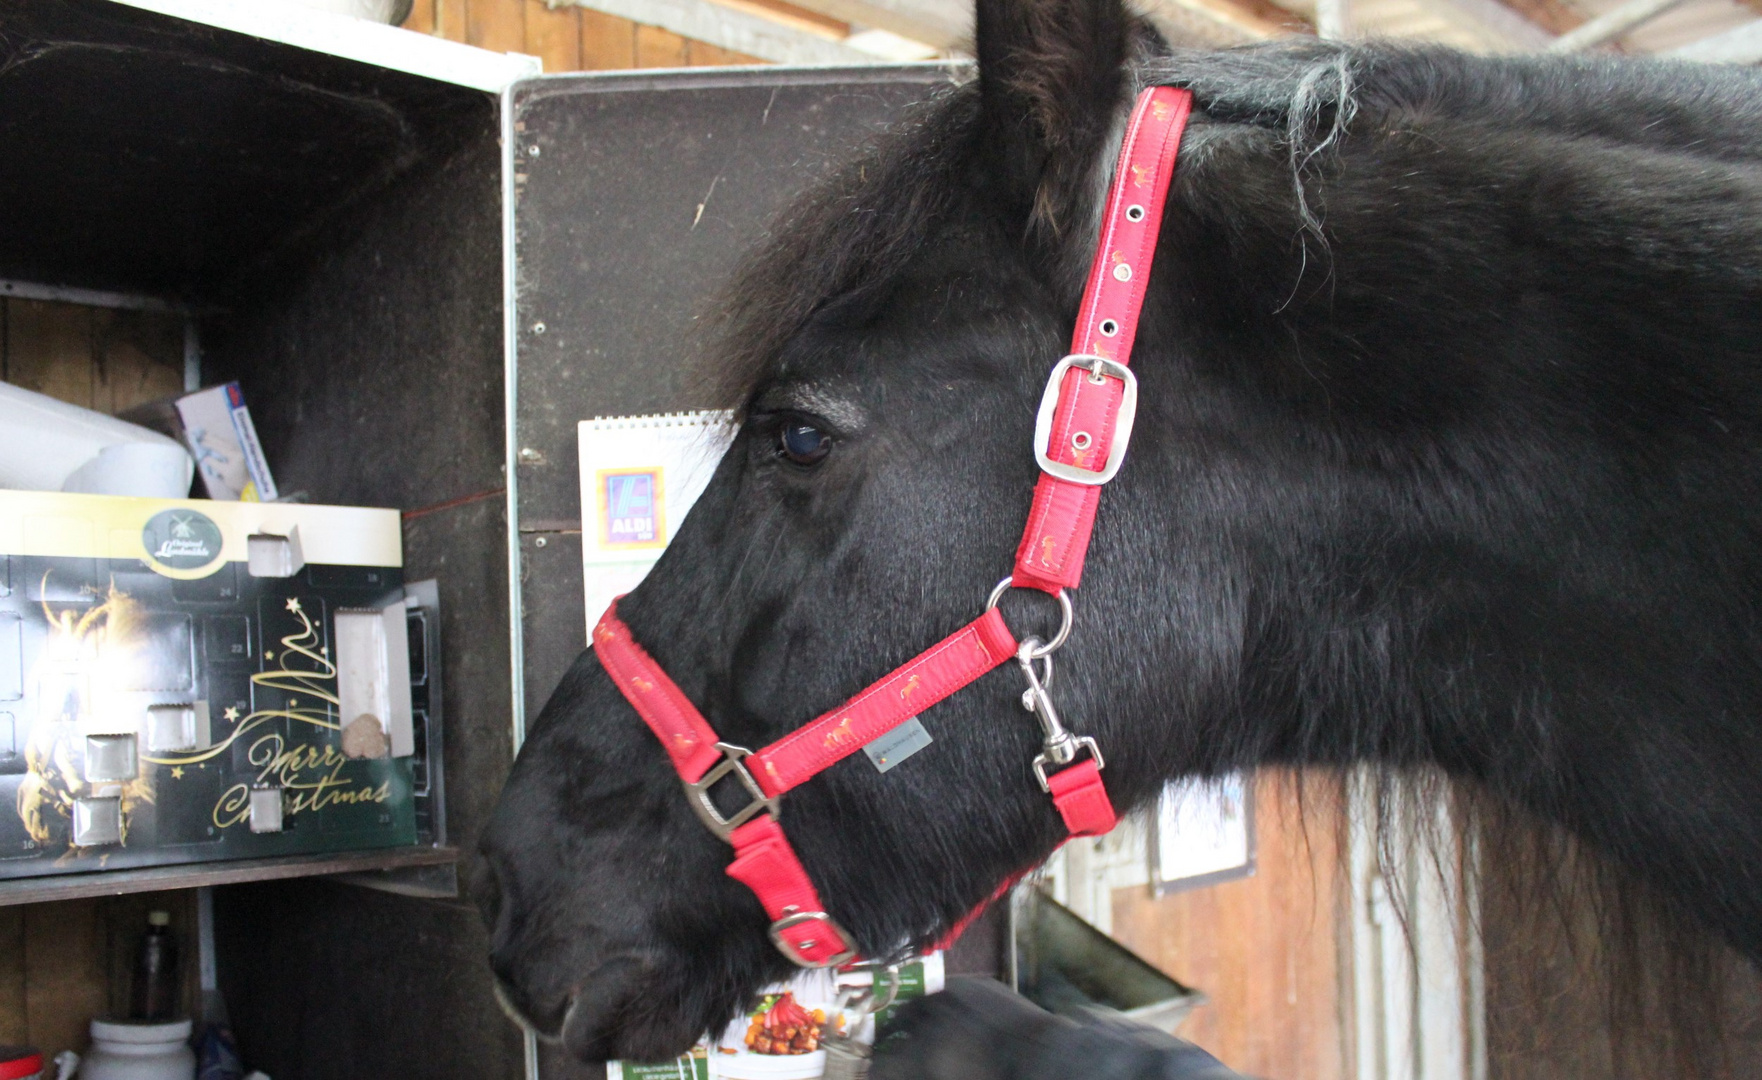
{"points": [[1051, 78]]}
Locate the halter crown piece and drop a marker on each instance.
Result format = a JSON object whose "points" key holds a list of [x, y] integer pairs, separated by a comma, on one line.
{"points": [[1080, 438]]}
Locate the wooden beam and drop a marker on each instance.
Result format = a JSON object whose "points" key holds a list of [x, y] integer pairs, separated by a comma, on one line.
{"points": [[1740, 46], [726, 28], [1554, 16], [799, 17], [1260, 18], [1611, 25], [946, 25], [1492, 19], [1233, 20]]}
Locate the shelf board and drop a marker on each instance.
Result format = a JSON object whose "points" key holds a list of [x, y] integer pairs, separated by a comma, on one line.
{"points": [[232, 872]]}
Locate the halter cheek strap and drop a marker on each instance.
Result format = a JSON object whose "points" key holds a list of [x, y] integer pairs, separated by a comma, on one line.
{"points": [[1081, 433]]}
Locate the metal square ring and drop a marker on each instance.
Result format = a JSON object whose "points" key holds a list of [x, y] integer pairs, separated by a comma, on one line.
{"points": [[847, 949], [733, 761]]}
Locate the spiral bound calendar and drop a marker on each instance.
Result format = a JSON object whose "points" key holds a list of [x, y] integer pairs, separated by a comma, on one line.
{"points": [[640, 475]]}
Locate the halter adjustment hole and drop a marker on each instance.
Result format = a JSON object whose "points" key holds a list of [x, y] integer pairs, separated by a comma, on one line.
{"points": [[1082, 441], [1122, 272], [1109, 328], [1134, 213]]}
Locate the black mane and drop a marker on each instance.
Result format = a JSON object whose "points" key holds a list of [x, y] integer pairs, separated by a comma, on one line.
{"points": [[847, 236]]}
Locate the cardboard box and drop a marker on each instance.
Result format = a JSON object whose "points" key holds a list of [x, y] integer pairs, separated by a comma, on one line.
{"points": [[217, 428]]}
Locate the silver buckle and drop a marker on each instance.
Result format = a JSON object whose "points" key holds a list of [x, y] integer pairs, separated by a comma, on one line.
{"points": [[733, 761], [1099, 368], [792, 919]]}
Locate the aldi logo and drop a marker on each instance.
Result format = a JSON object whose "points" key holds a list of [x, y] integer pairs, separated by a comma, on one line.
{"points": [[631, 509]]}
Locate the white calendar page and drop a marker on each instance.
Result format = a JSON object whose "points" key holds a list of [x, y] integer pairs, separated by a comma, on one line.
{"points": [[640, 475]]}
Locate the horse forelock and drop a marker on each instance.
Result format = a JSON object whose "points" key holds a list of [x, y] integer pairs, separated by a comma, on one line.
{"points": [[849, 233]]}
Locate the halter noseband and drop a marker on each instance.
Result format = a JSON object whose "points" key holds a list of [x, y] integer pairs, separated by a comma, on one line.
{"points": [[1080, 438]]}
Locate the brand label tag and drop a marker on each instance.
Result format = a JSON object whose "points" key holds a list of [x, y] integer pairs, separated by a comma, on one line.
{"points": [[897, 745]]}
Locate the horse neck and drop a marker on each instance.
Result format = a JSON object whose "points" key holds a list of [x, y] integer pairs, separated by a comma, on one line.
{"points": [[1269, 586]]}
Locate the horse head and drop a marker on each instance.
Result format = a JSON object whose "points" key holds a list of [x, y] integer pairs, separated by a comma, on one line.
{"points": [[1448, 394]]}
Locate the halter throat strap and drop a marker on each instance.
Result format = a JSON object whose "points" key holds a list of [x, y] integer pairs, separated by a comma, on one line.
{"points": [[1081, 433]]}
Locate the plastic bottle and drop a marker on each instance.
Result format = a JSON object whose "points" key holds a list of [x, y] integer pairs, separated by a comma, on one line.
{"points": [[137, 1050], [155, 991]]}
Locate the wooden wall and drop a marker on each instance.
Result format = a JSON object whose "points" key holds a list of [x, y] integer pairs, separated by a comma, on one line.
{"points": [[1264, 949], [565, 38], [63, 963], [94, 357]]}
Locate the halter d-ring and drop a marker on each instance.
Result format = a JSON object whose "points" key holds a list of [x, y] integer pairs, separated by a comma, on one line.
{"points": [[1066, 616]]}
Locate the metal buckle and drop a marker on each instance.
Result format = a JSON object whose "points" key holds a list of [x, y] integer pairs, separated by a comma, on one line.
{"points": [[1099, 368], [792, 919], [733, 761]]}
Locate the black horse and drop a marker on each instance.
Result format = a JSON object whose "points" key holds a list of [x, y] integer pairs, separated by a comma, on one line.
{"points": [[1449, 454]]}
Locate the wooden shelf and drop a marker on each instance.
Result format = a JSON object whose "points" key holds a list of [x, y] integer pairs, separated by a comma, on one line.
{"points": [[404, 870]]}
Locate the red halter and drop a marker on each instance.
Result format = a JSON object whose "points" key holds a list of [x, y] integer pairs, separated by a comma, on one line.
{"points": [[1080, 437]]}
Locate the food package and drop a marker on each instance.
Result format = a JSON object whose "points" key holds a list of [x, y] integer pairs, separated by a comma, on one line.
{"points": [[782, 1037], [217, 428]]}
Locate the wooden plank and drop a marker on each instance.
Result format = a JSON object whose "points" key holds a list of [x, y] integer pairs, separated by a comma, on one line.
{"points": [[608, 43], [421, 18], [933, 22], [554, 35], [14, 1019], [801, 18], [49, 349], [147, 879], [66, 974], [743, 31], [1554, 16], [449, 19], [1262, 949], [496, 25], [124, 374], [658, 48]]}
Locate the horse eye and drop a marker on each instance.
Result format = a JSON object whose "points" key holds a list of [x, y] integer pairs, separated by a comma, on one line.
{"points": [[804, 444]]}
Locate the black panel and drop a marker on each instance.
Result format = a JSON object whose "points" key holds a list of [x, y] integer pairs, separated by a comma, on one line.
{"points": [[554, 611], [372, 357], [644, 193], [370, 351], [333, 982], [152, 155]]}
